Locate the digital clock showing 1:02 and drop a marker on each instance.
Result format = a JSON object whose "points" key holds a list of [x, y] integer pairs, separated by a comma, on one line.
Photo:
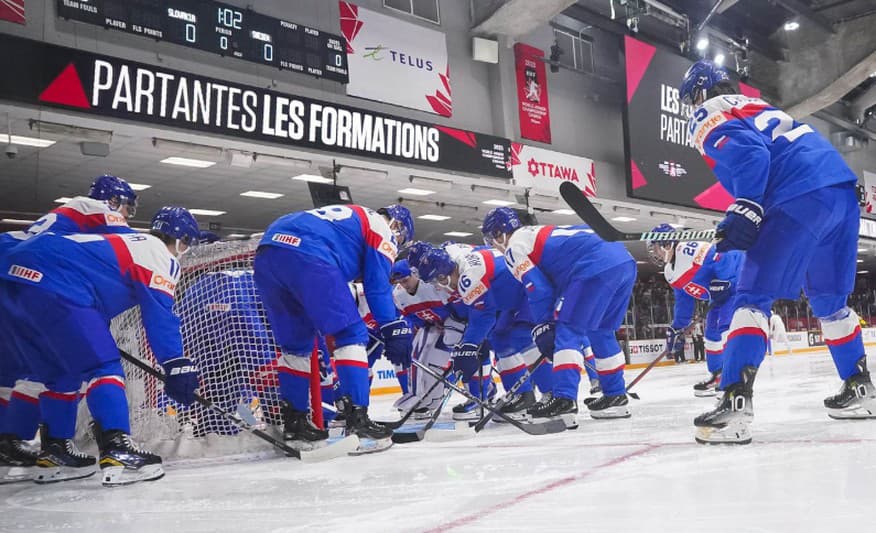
{"points": [[222, 29]]}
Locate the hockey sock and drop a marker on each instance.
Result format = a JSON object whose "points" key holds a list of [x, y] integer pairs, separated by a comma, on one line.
{"points": [[5, 395], [590, 367], [715, 354], [59, 412], [107, 403], [480, 387], [351, 364], [543, 375], [403, 377], [746, 344], [842, 334], [23, 414], [567, 373], [611, 373], [511, 369], [293, 372]]}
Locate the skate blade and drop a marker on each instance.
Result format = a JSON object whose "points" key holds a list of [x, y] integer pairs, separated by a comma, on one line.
{"points": [[855, 413], [56, 474], [367, 446], [17, 474], [471, 415], [119, 476], [737, 434], [705, 393], [620, 411], [332, 450]]}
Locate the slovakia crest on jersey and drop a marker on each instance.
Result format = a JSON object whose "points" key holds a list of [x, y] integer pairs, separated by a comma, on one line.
{"points": [[697, 291]]}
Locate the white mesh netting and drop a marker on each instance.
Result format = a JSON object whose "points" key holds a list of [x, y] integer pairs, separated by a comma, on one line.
{"points": [[226, 333]]}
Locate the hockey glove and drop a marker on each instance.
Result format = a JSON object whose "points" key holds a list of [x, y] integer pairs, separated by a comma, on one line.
{"points": [[180, 379], [674, 340], [543, 335], [466, 360], [741, 224], [397, 342], [719, 289]]}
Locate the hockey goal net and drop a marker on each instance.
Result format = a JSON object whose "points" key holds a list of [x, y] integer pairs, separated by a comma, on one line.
{"points": [[226, 333]]}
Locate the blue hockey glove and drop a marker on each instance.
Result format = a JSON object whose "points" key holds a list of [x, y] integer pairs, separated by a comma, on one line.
{"points": [[719, 289], [466, 360], [397, 342], [674, 340], [180, 379], [543, 335], [741, 224]]}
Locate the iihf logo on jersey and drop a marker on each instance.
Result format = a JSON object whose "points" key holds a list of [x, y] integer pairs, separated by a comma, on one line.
{"points": [[25, 273], [671, 168]]}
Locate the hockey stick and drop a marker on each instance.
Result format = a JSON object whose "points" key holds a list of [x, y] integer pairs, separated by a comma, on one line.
{"points": [[332, 451], [418, 435], [589, 214], [551, 426], [642, 374], [400, 422], [509, 394]]}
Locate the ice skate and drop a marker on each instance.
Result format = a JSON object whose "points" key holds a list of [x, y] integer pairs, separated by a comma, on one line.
{"points": [[470, 409], [709, 387], [373, 437], [516, 407], [122, 462], [61, 460], [616, 406], [17, 461], [565, 409], [729, 422], [404, 404], [856, 398], [299, 432]]}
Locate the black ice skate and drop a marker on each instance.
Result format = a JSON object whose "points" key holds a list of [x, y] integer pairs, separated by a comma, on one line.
{"points": [[299, 431], [856, 398], [709, 387], [373, 437], [122, 462], [17, 461], [517, 406], [470, 410], [60, 460], [728, 422], [566, 409], [615, 406]]}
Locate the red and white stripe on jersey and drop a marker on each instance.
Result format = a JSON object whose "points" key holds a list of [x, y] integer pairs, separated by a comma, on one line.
{"points": [[717, 111], [118, 381], [511, 364], [62, 396], [421, 303], [680, 272], [841, 331], [476, 271], [89, 213], [351, 355], [747, 321], [525, 248], [358, 291], [610, 365], [568, 359], [376, 231], [145, 259]]}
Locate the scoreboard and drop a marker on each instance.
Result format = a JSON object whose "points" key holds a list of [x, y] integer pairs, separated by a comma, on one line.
{"points": [[222, 29]]}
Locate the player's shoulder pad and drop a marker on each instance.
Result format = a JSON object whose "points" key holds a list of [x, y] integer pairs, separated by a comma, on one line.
{"points": [[91, 207], [475, 275], [457, 250], [151, 256], [689, 255], [716, 111], [378, 235], [520, 246]]}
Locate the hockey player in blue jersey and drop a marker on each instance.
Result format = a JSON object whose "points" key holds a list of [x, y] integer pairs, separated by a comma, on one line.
{"points": [[498, 318], [697, 272], [59, 294], [302, 267], [796, 215], [110, 202], [579, 287]]}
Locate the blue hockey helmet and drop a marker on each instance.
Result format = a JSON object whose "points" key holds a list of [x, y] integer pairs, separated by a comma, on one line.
{"points": [[499, 221], [115, 192], [400, 270], [178, 223], [207, 237], [401, 222], [659, 250], [435, 266], [417, 251], [699, 78]]}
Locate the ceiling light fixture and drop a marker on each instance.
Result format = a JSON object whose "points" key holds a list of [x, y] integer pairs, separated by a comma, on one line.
{"points": [[458, 234], [416, 192], [719, 59], [863, 272], [206, 212], [436, 218], [62, 200], [263, 195], [624, 219], [186, 162], [702, 43], [500, 203], [25, 141], [792, 25], [312, 178], [17, 221], [563, 212], [139, 186], [71, 132]]}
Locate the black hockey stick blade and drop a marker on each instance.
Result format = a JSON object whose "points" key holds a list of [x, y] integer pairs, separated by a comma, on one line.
{"points": [[551, 426], [419, 434], [395, 424], [337, 449], [592, 217], [509, 395]]}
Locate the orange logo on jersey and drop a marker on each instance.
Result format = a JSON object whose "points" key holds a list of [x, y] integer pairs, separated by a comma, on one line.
{"points": [[114, 219], [706, 127], [472, 295], [522, 268], [388, 250], [163, 284]]}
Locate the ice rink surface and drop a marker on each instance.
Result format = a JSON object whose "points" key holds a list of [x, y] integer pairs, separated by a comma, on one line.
{"points": [[804, 472]]}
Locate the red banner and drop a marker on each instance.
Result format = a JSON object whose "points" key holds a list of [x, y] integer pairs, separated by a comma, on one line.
{"points": [[532, 93], [12, 10]]}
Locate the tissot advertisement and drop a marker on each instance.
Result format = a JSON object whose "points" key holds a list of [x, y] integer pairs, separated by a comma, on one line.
{"points": [[110, 87]]}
